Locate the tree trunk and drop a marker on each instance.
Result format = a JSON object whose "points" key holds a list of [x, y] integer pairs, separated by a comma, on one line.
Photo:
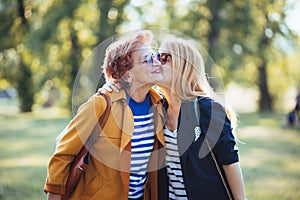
{"points": [[108, 29], [74, 64], [24, 84], [265, 101], [209, 62], [213, 37], [25, 88], [105, 29]]}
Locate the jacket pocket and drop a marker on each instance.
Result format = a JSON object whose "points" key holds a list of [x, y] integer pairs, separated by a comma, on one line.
{"points": [[93, 185]]}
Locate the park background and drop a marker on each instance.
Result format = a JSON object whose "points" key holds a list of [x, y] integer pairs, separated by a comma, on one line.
{"points": [[254, 44]]}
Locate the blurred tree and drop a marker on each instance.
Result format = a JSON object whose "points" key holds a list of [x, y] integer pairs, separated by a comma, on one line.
{"points": [[111, 16], [67, 32], [220, 27], [45, 42], [247, 31], [270, 28], [240, 36], [16, 58]]}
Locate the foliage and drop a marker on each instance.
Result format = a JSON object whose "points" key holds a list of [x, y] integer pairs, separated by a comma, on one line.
{"points": [[59, 36], [270, 27], [45, 42], [15, 55], [242, 37]]}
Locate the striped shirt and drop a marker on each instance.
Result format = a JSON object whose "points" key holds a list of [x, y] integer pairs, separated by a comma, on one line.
{"points": [[176, 182], [142, 143]]}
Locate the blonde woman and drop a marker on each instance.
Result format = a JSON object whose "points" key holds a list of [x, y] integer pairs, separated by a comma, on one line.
{"points": [[202, 158]]}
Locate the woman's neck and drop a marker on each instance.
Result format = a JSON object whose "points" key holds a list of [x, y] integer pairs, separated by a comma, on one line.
{"points": [[174, 105], [173, 101], [138, 94]]}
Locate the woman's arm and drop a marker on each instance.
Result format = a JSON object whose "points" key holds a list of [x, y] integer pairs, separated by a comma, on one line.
{"points": [[70, 142], [235, 179], [52, 196]]}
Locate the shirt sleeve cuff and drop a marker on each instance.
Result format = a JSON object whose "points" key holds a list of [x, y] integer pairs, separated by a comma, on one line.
{"points": [[54, 188], [172, 133]]}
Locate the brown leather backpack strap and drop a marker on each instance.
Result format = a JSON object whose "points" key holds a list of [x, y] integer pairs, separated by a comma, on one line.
{"points": [[101, 122], [81, 161]]}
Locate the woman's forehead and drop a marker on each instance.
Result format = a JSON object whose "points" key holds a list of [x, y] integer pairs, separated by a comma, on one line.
{"points": [[144, 47], [143, 50]]}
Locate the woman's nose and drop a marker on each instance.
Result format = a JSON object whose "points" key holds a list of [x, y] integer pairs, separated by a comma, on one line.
{"points": [[156, 61]]}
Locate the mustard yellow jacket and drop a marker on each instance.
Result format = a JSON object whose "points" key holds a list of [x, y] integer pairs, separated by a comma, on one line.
{"points": [[107, 175]]}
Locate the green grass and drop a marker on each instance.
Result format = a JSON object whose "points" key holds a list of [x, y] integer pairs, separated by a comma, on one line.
{"points": [[269, 156], [26, 143]]}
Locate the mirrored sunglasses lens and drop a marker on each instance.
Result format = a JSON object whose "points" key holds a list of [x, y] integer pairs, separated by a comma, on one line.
{"points": [[149, 59], [163, 58], [157, 56]]}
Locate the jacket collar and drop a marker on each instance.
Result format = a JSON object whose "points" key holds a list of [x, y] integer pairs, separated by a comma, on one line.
{"points": [[156, 100], [156, 97], [157, 103], [116, 96]]}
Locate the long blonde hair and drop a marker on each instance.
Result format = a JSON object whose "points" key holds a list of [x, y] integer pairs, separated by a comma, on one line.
{"points": [[189, 77]]}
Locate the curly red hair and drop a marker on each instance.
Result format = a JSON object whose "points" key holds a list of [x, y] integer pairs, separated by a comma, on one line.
{"points": [[119, 55]]}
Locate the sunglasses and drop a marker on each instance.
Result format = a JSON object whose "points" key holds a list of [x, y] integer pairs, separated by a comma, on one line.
{"points": [[163, 57], [149, 58]]}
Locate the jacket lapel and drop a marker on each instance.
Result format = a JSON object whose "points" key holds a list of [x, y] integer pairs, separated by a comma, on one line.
{"points": [[127, 131], [125, 146]]}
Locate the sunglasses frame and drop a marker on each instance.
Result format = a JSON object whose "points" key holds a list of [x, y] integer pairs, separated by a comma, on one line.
{"points": [[162, 57], [158, 56], [149, 59]]}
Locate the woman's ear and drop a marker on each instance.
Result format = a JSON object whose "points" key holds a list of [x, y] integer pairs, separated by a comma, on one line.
{"points": [[127, 77]]}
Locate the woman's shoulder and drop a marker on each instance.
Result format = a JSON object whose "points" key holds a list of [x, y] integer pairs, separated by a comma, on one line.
{"points": [[205, 100], [98, 98], [96, 103], [207, 103], [212, 109]]}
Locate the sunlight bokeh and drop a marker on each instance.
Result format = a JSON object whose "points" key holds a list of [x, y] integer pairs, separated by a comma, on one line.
{"points": [[293, 16]]}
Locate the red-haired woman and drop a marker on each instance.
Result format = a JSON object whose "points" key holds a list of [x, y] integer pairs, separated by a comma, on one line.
{"points": [[123, 159]]}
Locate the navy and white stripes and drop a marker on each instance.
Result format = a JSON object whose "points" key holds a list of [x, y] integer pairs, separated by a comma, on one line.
{"points": [[141, 147], [176, 182]]}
